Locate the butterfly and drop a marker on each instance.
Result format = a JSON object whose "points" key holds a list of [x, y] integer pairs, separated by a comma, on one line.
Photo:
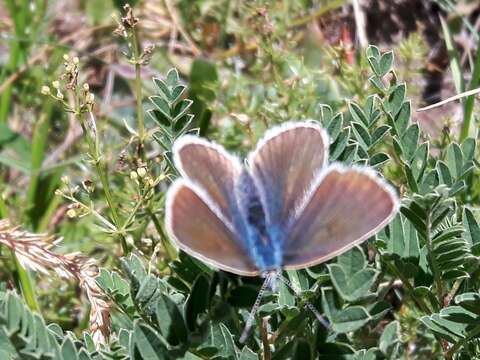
{"points": [[284, 208]]}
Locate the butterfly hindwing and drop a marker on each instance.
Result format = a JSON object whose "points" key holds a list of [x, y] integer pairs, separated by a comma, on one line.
{"points": [[285, 164], [198, 227], [347, 207]]}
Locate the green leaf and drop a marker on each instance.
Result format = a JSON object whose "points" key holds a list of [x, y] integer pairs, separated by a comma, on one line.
{"points": [[395, 100], [468, 148], [386, 63], [454, 160], [162, 106], [472, 229], [419, 160], [203, 79], [170, 321], [444, 173], [146, 343], [374, 65], [377, 83], [378, 159], [412, 182], [220, 338], [357, 113], [469, 301], [409, 141], [198, 300], [362, 135], [378, 134], [172, 78], [459, 315], [247, 354], [162, 89], [68, 350], [350, 319], [389, 338], [338, 147], [350, 276], [373, 51], [352, 261], [402, 119]]}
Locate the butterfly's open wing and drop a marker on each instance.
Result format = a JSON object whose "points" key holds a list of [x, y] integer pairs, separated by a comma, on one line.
{"points": [[347, 207], [211, 168], [284, 165], [199, 229]]}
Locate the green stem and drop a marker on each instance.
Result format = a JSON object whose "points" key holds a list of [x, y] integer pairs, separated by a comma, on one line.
{"points": [[26, 282], [169, 249], [18, 50], [472, 334], [322, 10], [138, 89], [101, 169], [418, 301], [470, 101], [433, 262]]}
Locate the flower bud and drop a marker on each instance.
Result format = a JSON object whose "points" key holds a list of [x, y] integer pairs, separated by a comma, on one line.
{"points": [[45, 90], [56, 84], [71, 213], [142, 172]]}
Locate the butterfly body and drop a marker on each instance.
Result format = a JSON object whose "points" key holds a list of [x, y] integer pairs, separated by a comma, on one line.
{"points": [[286, 208], [262, 239]]}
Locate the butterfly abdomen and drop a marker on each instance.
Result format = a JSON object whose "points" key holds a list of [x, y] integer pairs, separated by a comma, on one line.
{"points": [[263, 248]]}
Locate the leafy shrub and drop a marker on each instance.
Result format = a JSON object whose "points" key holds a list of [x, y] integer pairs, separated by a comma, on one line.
{"points": [[426, 259], [412, 291]]}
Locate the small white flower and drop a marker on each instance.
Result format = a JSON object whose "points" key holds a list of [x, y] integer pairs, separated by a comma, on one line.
{"points": [[45, 90]]}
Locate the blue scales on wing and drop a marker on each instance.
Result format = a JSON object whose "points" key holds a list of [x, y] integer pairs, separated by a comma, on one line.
{"points": [[264, 248]]}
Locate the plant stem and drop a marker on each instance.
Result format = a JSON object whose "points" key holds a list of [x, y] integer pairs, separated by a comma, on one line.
{"points": [[101, 169], [322, 10], [433, 262], [469, 103], [138, 89], [472, 334], [26, 282], [418, 301], [169, 249]]}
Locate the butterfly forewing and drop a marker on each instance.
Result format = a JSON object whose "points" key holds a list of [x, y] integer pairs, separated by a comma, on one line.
{"points": [[211, 168], [285, 164], [347, 207], [198, 228]]}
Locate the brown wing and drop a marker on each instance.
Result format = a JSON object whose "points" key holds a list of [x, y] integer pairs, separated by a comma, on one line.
{"points": [[285, 164], [211, 168], [348, 206], [198, 229]]}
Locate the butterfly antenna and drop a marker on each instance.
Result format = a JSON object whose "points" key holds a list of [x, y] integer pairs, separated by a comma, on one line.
{"points": [[309, 305], [256, 305]]}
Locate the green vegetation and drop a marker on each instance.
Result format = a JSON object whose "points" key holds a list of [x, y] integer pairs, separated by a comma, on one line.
{"points": [[89, 111]]}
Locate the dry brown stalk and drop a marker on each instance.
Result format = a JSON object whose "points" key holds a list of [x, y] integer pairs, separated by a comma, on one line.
{"points": [[34, 251]]}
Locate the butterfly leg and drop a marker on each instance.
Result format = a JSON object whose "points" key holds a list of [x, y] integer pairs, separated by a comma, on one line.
{"points": [[308, 304], [270, 279]]}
